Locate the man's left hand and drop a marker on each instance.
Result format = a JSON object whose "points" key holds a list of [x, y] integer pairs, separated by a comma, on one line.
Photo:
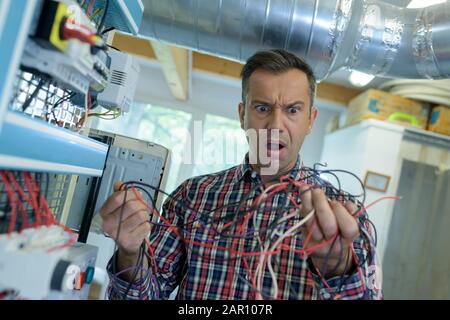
{"points": [[331, 218]]}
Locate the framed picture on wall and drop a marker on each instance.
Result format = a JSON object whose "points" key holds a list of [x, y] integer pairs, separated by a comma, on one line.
{"points": [[376, 181]]}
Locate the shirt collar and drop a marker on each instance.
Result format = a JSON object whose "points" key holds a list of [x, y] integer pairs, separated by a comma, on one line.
{"points": [[242, 169]]}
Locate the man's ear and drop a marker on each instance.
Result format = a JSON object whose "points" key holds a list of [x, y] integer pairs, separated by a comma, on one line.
{"points": [[241, 110], [312, 118]]}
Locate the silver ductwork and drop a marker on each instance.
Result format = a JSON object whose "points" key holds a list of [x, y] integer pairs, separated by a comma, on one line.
{"points": [[369, 36]]}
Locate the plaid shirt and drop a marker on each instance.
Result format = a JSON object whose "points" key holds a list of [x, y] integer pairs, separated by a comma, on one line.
{"points": [[209, 273]]}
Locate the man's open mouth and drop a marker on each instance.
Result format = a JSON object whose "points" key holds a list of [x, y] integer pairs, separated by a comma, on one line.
{"points": [[275, 145]]}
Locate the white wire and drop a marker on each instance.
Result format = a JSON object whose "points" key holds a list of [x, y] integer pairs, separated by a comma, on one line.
{"points": [[264, 249], [289, 232], [263, 195]]}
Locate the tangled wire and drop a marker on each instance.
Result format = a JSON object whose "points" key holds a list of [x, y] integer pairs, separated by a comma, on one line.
{"points": [[230, 222]]}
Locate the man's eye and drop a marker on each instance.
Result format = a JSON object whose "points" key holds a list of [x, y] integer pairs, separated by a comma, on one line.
{"points": [[293, 109], [262, 108]]}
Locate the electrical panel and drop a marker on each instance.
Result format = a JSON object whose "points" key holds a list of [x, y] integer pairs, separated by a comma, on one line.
{"points": [[128, 159], [66, 46], [78, 69], [73, 282], [123, 15], [133, 160], [55, 66], [122, 84], [56, 273]]}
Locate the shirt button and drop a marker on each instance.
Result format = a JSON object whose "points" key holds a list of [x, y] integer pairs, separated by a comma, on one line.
{"points": [[326, 295]]}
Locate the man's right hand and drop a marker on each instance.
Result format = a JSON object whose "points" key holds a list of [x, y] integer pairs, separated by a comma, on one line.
{"points": [[134, 227]]}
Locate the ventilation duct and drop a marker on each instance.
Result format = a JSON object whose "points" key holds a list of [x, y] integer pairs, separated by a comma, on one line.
{"points": [[369, 36]]}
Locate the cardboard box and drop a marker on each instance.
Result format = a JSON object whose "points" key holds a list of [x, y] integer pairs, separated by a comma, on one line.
{"points": [[440, 120], [381, 105]]}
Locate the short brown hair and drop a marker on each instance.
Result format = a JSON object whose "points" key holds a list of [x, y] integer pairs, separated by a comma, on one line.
{"points": [[277, 61]]}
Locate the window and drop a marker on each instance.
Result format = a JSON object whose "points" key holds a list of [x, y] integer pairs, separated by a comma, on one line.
{"points": [[168, 128], [218, 144], [224, 145], [164, 126]]}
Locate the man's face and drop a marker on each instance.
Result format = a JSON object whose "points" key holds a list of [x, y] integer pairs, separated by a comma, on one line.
{"points": [[278, 101]]}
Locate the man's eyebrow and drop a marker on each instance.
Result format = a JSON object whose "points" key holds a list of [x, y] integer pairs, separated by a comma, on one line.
{"points": [[295, 103], [262, 102]]}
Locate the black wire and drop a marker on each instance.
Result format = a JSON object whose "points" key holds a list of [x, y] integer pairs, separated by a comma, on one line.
{"points": [[141, 250], [323, 272], [201, 214], [28, 101], [108, 30], [238, 207], [102, 21], [136, 270], [59, 102], [122, 209], [153, 273]]}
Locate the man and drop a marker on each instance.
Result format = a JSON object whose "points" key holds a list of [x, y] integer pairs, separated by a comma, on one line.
{"points": [[278, 91]]}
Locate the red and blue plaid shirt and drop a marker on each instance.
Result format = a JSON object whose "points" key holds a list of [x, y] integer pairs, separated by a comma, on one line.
{"points": [[206, 272]]}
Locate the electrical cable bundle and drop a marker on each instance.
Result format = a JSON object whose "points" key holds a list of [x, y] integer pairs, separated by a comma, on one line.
{"points": [[26, 206], [234, 227]]}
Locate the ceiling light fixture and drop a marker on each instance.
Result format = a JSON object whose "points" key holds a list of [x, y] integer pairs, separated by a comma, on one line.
{"points": [[423, 3], [360, 79]]}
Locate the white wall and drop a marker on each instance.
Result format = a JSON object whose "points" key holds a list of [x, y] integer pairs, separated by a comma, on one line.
{"points": [[221, 96]]}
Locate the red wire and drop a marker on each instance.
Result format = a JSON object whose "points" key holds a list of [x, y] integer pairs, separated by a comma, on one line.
{"points": [[250, 275], [205, 245], [48, 213], [22, 194], [259, 254], [91, 5], [31, 199], [376, 202], [72, 240], [35, 206], [152, 254], [12, 197]]}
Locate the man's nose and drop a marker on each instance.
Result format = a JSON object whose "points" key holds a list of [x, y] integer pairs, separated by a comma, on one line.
{"points": [[276, 120]]}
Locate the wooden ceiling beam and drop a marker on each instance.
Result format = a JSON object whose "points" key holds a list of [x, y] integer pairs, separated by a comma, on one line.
{"points": [[226, 68], [176, 66]]}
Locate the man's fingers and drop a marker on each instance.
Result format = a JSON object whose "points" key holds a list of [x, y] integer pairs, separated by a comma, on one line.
{"points": [[117, 185], [348, 227], [325, 217], [307, 206], [351, 207], [135, 220], [116, 201], [306, 200], [131, 207], [332, 250], [316, 233], [128, 227], [142, 231]]}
